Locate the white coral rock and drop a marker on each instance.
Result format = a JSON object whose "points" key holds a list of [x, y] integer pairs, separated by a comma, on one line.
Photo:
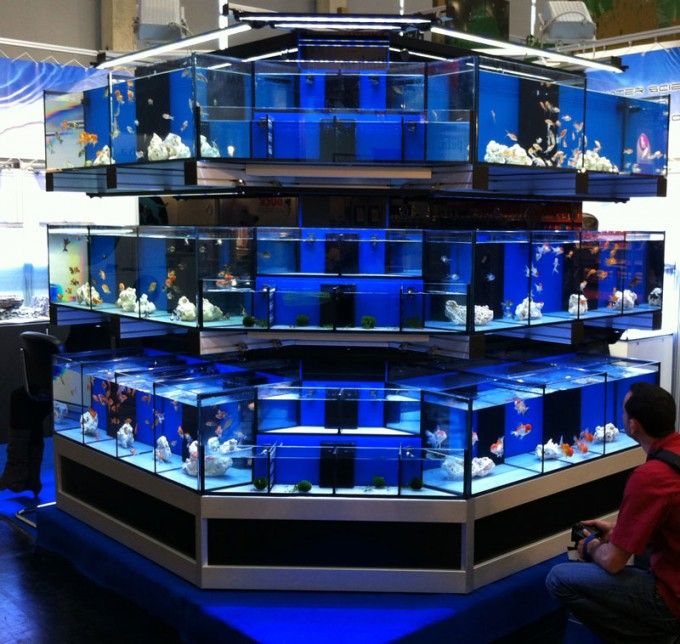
{"points": [[608, 433], [103, 157], [175, 148], [89, 424], [144, 306], [629, 298], [210, 311], [156, 150], [185, 310], [528, 308], [549, 451], [127, 299], [457, 313], [578, 304], [125, 436], [453, 467], [88, 295], [208, 150], [163, 451], [654, 297]]}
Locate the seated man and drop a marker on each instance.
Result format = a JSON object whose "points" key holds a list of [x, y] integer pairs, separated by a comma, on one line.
{"points": [[623, 603]]}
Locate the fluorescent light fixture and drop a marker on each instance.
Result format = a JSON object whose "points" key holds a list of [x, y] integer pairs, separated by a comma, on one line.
{"points": [[337, 26], [271, 54], [516, 50], [512, 72], [418, 53], [333, 18], [185, 43]]}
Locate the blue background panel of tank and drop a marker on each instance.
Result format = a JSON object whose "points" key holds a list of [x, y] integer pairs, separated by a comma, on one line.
{"points": [[450, 96], [113, 262], [643, 272], [123, 106], [96, 122], [68, 264], [646, 136]]}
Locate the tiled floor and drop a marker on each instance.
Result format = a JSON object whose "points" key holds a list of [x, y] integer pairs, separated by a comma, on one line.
{"points": [[44, 600]]}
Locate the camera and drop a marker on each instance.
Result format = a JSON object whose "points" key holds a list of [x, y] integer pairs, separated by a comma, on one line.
{"points": [[578, 531]]}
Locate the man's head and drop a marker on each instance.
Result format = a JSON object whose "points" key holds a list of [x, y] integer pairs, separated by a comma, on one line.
{"points": [[650, 408]]}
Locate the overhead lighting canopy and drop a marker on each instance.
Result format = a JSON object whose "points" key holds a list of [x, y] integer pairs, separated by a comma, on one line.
{"points": [[521, 50], [332, 21], [184, 43]]}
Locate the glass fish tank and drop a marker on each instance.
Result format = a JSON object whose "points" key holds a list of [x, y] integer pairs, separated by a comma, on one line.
{"points": [[626, 135], [153, 114], [77, 132], [602, 261], [554, 277], [643, 271], [620, 374], [329, 279], [529, 116], [224, 97], [503, 266], [68, 257], [206, 416], [450, 101], [569, 406], [82, 382], [113, 271], [167, 285], [23, 276]]}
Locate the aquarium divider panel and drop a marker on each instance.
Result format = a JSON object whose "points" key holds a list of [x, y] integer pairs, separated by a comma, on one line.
{"points": [[567, 333], [65, 315], [645, 320]]}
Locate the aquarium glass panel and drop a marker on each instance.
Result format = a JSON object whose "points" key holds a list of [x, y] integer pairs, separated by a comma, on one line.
{"points": [[67, 248], [530, 116], [153, 115], [555, 281], [167, 275], [224, 96], [626, 135], [113, 272], [644, 271], [502, 271], [77, 128], [450, 107], [602, 261]]}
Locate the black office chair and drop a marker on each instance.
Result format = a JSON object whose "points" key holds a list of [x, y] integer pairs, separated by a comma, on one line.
{"points": [[28, 409]]}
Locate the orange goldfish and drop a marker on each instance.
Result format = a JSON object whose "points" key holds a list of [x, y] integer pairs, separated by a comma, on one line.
{"points": [[567, 449], [497, 448]]}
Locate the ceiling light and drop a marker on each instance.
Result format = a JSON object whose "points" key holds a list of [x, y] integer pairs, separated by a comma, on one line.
{"points": [[515, 50], [332, 18], [185, 43], [337, 25], [271, 54]]}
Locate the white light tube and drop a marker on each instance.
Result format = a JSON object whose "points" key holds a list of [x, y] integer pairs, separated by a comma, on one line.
{"points": [[513, 49], [270, 55], [337, 25], [338, 18], [173, 46]]}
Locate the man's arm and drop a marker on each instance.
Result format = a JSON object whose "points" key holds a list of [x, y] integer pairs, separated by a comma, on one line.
{"points": [[607, 555]]}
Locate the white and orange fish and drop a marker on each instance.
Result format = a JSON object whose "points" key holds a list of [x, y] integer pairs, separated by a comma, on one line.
{"points": [[436, 438], [475, 438], [520, 406], [522, 430], [497, 448]]}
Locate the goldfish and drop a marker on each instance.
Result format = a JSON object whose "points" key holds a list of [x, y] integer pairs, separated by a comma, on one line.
{"points": [[251, 405], [522, 430], [490, 277], [218, 431], [475, 438], [121, 286], [556, 265], [562, 133], [497, 448], [539, 287], [567, 449], [436, 438], [566, 118], [511, 135], [520, 406], [184, 126], [558, 250], [102, 274], [533, 271], [130, 95], [444, 259], [149, 101], [587, 436], [219, 414], [601, 275], [581, 446], [628, 150], [105, 289], [167, 117], [610, 261]]}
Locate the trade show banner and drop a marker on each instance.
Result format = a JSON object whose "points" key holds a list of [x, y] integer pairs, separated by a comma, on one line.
{"points": [[22, 83]]}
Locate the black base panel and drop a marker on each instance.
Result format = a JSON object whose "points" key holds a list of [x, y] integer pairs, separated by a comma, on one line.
{"points": [[511, 529], [338, 544], [159, 520]]}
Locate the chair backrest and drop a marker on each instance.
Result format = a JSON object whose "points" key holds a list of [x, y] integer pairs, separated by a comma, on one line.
{"points": [[37, 350]]}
